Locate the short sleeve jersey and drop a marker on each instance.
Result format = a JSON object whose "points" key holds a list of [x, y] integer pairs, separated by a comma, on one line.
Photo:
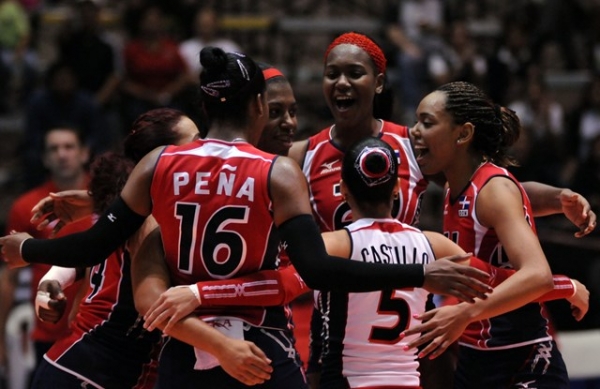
{"points": [[322, 166], [212, 201], [361, 334], [522, 326]]}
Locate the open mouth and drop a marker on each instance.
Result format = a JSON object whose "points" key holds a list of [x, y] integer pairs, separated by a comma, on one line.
{"points": [[420, 153], [344, 103]]}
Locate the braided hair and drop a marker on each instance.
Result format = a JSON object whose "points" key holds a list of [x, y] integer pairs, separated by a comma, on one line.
{"points": [[496, 128], [370, 170], [227, 83]]}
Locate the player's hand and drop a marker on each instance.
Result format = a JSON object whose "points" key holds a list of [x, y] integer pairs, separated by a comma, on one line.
{"points": [[50, 301], [66, 207], [244, 361], [577, 209], [446, 277], [440, 328], [173, 305], [11, 249], [580, 301]]}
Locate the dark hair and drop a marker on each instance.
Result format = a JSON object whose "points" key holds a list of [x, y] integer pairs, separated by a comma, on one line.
{"points": [[110, 171], [65, 127], [370, 170], [496, 128], [227, 84], [150, 130]]}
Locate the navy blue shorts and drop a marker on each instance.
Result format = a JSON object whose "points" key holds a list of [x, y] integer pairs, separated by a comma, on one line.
{"points": [[176, 364], [536, 366], [48, 376]]}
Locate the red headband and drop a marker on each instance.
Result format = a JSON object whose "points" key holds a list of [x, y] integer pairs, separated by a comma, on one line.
{"points": [[365, 43], [272, 72]]}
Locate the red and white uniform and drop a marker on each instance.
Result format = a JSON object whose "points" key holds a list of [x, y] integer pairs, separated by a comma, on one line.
{"points": [[213, 197], [523, 326], [108, 346], [361, 332], [322, 166]]}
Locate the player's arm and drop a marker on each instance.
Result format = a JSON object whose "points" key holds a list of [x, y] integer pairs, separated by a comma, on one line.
{"points": [[304, 245], [92, 246], [549, 200], [241, 359]]}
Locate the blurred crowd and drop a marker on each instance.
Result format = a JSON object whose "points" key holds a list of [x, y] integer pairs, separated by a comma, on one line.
{"points": [[108, 61]]}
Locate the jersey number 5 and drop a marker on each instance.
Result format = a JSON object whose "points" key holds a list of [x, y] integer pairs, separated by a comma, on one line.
{"points": [[391, 305]]}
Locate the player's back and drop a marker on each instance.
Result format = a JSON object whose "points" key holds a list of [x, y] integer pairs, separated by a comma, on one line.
{"points": [[212, 201], [362, 335]]}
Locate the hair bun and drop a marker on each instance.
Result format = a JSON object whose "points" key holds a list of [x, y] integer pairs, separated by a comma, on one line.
{"points": [[213, 59], [375, 163]]}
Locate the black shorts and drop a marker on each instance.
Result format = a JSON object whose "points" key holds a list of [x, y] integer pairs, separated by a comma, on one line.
{"points": [[535, 366], [177, 359]]}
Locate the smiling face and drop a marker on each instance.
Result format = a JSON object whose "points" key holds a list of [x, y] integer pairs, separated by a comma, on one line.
{"points": [[435, 135], [350, 83], [278, 134]]}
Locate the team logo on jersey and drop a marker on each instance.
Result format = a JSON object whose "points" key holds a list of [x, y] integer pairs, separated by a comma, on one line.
{"points": [[464, 206], [397, 154], [329, 168]]}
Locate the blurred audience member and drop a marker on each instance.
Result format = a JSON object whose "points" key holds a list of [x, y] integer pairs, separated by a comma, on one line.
{"points": [[155, 73], [459, 59], [206, 33], [18, 63], [65, 156], [60, 103], [84, 47], [413, 29]]}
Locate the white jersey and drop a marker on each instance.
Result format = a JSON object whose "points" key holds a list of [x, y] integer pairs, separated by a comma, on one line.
{"points": [[361, 331]]}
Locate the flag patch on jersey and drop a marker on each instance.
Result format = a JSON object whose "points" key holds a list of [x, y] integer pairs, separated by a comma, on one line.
{"points": [[464, 203]]}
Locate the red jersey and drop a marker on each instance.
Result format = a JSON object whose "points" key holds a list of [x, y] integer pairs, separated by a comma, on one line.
{"points": [[522, 326], [108, 333], [322, 166], [211, 199], [154, 68], [19, 220]]}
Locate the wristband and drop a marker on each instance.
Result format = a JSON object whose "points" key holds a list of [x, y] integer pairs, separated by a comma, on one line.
{"points": [[196, 292], [574, 288], [41, 300], [65, 276]]}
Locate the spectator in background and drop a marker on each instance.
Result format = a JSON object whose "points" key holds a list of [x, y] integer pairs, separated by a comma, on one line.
{"points": [[510, 61], [18, 63], [65, 156], [82, 44], [542, 119], [413, 29], [155, 73], [206, 33], [459, 59], [59, 103]]}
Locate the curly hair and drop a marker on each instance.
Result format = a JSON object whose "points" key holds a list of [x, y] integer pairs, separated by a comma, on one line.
{"points": [[109, 172]]}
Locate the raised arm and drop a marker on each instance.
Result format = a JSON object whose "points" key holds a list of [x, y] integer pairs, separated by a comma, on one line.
{"points": [[550, 200]]}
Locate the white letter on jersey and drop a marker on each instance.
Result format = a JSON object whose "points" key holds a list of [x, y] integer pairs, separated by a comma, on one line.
{"points": [[200, 183], [247, 189], [179, 180], [225, 183]]}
